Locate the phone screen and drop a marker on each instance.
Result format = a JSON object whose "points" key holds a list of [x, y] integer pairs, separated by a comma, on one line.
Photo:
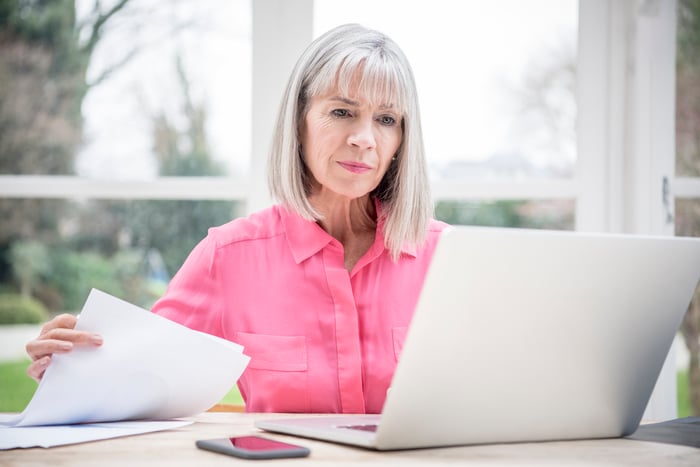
{"points": [[256, 443], [253, 447]]}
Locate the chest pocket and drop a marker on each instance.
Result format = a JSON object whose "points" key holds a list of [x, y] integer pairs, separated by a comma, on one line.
{"points": [[276, 379], [279, 353]]}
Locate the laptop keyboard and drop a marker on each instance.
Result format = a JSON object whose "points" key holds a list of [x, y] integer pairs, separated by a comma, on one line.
{"points": [[372, 428]]}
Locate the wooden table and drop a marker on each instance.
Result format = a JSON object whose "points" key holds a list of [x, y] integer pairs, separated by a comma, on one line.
{"points": [[176, 448]]}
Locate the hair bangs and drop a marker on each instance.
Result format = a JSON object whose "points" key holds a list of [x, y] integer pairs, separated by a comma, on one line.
{"points": [[373, 76]]}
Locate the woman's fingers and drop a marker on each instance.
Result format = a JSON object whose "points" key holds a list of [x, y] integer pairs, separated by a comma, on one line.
{"points": [[60, 341], [71, 335], [38, 367], [59, 336], [41, 349], [65, 321]]}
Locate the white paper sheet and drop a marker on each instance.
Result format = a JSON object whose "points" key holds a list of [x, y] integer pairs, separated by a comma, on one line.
{"points": [[60, 435], [149, 368]]}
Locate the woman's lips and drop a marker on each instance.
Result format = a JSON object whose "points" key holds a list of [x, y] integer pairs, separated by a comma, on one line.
{"points": [[354, 167]]}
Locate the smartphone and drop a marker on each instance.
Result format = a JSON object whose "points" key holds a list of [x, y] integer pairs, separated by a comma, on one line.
{"points": [[253, 447]]}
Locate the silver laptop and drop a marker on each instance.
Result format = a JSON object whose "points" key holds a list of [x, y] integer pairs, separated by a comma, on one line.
{"points": [[526, 335]]}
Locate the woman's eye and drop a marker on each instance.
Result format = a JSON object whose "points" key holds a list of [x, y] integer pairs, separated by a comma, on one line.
{"points": [[387, 120], [340, 113]]}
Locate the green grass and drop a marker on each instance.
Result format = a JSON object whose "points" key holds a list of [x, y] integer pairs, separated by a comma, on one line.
{"points": [[233, 397], [17, 389]]}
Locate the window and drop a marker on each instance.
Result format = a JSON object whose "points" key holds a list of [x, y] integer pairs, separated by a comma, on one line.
{"points": [[120, 155], [497, 98], [541, 126]]}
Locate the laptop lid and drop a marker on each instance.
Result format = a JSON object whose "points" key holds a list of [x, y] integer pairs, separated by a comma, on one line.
{"points": [[530, 335]]}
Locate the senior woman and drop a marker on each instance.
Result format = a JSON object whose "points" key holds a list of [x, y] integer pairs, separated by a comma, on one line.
{"points": [[320, 288]]}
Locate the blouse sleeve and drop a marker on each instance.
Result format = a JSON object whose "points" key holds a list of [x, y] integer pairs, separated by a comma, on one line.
{"points": [[194, 295]]}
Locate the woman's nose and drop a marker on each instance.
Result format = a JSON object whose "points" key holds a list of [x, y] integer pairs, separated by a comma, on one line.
{"points": [[362, 134]]}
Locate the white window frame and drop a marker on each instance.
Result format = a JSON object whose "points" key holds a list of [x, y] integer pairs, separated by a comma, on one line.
{"points": [[626, 133], [626, 147]]}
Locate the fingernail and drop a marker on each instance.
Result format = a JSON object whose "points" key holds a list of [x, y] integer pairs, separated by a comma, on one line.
{"points": [[44, 361], [97, 340]]}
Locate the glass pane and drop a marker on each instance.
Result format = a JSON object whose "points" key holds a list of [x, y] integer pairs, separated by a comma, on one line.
{"points": [[688, 165], [688, 225], [687, 222], [164, 90], [688, 90], [57, 250], [496, 80], [688, 217], [555, 214]]}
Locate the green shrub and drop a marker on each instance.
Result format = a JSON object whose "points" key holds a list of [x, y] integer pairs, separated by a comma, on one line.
{"points": [[15, 309]]}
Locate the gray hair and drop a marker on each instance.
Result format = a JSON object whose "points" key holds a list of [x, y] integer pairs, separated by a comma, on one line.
{"points": [[331, 61]]}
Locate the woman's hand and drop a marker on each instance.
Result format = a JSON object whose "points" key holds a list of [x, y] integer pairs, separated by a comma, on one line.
{"points": [[56, 336]]}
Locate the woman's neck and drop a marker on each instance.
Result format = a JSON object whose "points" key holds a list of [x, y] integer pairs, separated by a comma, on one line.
{"points": [[353, 222], [343, 217]]}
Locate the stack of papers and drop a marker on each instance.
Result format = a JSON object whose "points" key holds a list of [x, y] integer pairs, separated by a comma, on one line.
{"points": [[149, 369]]}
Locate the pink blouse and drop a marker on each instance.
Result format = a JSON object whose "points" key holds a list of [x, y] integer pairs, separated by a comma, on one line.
{"points": [[320, 339]]}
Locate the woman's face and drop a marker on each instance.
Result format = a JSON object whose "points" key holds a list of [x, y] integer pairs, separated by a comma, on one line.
{"points": [[348, 143]]}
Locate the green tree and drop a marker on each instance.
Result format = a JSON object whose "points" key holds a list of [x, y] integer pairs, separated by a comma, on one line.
{"points": [[169, 227], [508, 213], [45, 51], [174, 227], [44, 56], [29, 261]]}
